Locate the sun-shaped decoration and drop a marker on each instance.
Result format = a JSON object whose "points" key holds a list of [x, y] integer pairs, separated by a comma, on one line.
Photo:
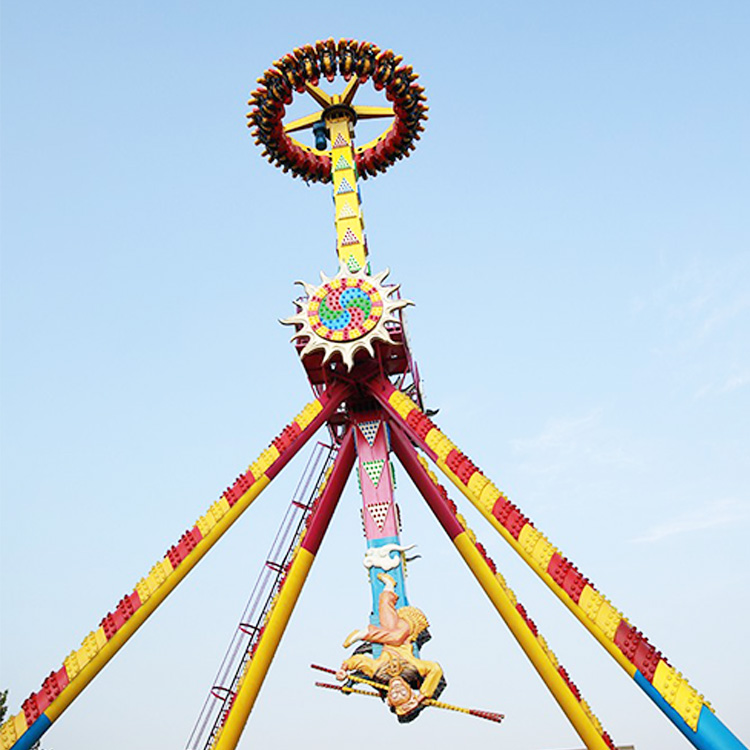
{"points": [[346, 313]]}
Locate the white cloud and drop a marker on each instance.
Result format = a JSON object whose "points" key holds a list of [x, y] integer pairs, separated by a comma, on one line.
{"points": [[715, 514], [699, 301], [572, 442], [736, 381], [720, 314], [698, 319], [732, 383]]}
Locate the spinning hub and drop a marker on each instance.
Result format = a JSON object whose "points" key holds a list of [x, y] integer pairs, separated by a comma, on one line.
{"points": [[357, 63]]}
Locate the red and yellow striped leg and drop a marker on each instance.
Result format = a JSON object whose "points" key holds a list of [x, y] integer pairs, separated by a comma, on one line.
{"points": [[282, 608], [521, 626], [59, 690], [667, 688]]}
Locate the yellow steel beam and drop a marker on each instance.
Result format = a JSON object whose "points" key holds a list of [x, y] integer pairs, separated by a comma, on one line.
{"points": [[261, 661], [351, 89], [370, 113], [374, 142], [319, 95], [575, 711], [303, 122]]}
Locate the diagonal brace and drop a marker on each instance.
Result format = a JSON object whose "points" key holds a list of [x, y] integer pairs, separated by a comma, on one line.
{"points": [[665, 686], [60, 689], [523, 629], [275, 625]]}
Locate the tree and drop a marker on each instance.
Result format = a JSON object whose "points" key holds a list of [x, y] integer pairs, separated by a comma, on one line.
{"points": [[4, 711]]}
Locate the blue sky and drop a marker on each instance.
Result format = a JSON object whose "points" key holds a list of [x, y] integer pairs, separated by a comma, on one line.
{"points": [[574, 231]]}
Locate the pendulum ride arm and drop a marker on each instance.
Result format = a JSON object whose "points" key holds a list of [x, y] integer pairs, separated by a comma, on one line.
{"points": [[281, 611], [59, 690], [667, 688], [380, 516], [521, 626]]}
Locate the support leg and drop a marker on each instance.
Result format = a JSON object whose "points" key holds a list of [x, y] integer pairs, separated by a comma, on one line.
{"points": [[278, 619], [41, 709], [680, 702], [523, 629]]}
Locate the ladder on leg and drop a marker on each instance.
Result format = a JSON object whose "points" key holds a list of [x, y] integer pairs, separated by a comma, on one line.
{"points": [[248, 632]]}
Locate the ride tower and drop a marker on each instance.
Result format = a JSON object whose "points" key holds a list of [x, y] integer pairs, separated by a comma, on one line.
{"points": [[350, 335]]}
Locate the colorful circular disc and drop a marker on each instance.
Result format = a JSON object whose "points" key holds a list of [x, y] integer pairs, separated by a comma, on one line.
{"points": [[344, 309], [346, 315]]}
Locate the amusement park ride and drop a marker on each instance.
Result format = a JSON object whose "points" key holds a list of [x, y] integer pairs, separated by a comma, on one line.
{"points": [[350, 335]]}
